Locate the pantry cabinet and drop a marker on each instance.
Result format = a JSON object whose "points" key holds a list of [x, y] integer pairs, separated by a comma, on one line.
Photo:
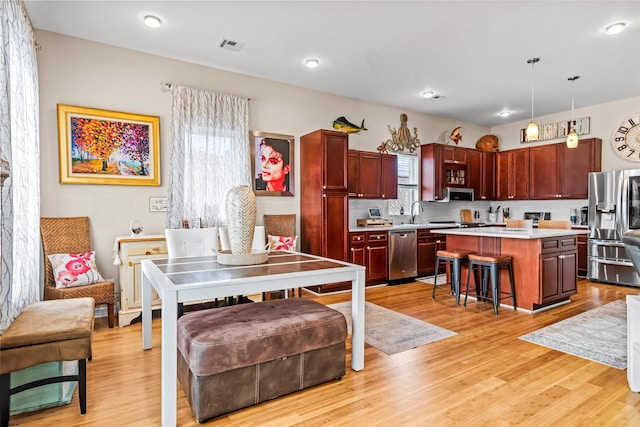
{"points": [[324, 203]]}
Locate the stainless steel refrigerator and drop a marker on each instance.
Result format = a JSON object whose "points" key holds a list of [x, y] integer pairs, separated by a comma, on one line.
{"points": [[614, 209]]}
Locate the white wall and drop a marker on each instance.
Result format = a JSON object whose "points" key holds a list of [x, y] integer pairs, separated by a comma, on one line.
{"points": [[83, 73], [605, 118]]}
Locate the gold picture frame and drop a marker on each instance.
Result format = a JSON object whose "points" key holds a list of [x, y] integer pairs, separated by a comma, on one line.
{"points": [[282, 145], [108, 147]]}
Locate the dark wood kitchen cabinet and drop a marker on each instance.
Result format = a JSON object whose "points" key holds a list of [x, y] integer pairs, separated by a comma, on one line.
{"points": [[363, 174], [512, 174], [442, 166], [371, 250], [372, 175], [558, 172], [481, 171], [389, 176], [583, 240], [324, 204], [428, 244], [558, 268]]}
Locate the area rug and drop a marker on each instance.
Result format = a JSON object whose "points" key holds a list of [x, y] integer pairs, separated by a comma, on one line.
{"points": [[599, 335], [442, 279], [393, 332]]}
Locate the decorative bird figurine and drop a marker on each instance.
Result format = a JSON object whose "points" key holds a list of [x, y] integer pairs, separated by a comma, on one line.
{"points": [[344, 125]]}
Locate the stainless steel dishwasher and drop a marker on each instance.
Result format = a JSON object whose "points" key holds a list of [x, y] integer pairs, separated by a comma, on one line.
{"points": [[403, 262]]}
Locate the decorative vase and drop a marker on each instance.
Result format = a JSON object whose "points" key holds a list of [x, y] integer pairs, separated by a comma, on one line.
{"points": [[241, 219]]}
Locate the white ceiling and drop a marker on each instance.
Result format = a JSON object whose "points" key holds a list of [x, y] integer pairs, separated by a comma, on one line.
{"points": [[473, 53]]}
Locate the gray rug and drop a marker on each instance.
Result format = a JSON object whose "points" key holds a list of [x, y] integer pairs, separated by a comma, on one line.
{"points": [[442, 279], [599, 335], [393, 332]]}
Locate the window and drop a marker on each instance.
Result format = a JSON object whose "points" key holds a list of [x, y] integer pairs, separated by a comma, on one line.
{"points": [[407, 184]]}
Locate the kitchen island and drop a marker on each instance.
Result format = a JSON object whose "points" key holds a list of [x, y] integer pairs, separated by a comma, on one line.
{"points": [[544, 260]]}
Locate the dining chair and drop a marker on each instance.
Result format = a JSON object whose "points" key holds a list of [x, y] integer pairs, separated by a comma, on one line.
{"points": [[191, 242], [557, 224], [72, 236], [518, 223], [281, 225]]}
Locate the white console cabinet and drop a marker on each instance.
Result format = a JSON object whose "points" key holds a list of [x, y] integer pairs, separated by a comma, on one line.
{"points": [[131, 251], [633, 342]]}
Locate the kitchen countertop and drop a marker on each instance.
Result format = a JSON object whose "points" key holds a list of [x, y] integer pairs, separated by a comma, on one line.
{"points": [[513, 233], [429, 225]]}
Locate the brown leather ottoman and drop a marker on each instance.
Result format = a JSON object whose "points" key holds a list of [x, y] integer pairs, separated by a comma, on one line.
{"points": [[237, 356]]}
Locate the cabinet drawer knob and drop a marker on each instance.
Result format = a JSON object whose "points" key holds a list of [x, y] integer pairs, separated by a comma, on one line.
{"points": [[130, 264], [147, 253], [368, 247]]}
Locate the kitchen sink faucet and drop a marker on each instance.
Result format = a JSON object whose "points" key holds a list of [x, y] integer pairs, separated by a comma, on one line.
{"points": [[420, 209]]}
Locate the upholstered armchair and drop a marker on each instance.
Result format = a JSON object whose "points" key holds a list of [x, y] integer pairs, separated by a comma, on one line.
{"points": [[72, 236]]}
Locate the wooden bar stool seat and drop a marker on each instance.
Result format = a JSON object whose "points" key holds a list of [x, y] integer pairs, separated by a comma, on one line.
{"points": [[490, 266], [455, 258]]}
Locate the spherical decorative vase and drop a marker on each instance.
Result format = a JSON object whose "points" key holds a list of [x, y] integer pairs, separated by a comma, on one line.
{"points": [[241, 219]]}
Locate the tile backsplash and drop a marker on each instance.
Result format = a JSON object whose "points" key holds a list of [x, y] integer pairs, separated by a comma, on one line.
{"points": [[442, 211]]}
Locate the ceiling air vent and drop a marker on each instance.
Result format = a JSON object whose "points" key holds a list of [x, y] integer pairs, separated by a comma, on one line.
{"points": [[231, 45]]}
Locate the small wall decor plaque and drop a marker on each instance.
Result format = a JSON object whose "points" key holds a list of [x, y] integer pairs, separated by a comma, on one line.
{"points": [[558, 130]]}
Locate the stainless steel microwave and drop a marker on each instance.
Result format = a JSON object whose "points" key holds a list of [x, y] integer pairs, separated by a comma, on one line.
{"points": [[452, 194]]}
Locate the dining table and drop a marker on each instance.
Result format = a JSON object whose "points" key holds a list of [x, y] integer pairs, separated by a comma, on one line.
{"points": [[183, 280]]}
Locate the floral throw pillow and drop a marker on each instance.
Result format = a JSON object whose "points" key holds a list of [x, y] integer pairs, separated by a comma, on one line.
{"points": [[282, 243], [71, 270]]}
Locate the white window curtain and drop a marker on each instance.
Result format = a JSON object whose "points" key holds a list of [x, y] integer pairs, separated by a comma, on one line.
{"points": [[210, 154], [19, 146]]}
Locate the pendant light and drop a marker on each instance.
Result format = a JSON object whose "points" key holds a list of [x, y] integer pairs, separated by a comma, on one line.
{"points": [[572, 137], [532, 129]]}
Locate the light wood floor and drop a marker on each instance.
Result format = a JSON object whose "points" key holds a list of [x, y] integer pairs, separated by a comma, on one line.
{"points": [[484, 376]]}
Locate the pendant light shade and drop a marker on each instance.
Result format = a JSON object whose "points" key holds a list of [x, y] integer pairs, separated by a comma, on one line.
{"points": [[532, 132], [572, 137]]}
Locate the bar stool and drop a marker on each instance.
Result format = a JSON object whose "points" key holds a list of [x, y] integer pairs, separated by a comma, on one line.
{"points": [[490, 265], [455, 258]]}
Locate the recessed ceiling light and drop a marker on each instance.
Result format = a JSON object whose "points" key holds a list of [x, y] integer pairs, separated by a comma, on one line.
{"points": [[312, 63], [428, 94], [152, 21], [615, 28], [504, 113]]}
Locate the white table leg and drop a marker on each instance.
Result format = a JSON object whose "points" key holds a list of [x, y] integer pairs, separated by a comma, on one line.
{"points": [[169, 358], [146, 311], [357, 314]]}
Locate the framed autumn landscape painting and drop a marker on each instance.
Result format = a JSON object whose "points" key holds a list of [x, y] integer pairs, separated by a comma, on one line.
{"points": [[108, 147]]}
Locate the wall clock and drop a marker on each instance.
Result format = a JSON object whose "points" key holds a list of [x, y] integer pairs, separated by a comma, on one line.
{"points": [[626, 138]]}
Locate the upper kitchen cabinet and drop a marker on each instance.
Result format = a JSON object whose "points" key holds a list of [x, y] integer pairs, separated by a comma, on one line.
{"points": [[363, 174], [455, 155], [389, 176], [558, 172], [481, 171], [575, 165], [442, 166], [372, 175], [512, 174]]}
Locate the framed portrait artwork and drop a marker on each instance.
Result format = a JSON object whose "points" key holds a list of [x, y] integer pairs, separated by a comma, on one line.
{"points": [[272, 164], [108, 147]]}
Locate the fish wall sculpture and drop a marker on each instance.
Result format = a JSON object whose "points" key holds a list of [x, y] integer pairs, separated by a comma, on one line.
{"points": [[344, 125]]}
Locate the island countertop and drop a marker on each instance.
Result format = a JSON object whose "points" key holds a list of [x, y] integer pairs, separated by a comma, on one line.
{"points": [[512, 233]]}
